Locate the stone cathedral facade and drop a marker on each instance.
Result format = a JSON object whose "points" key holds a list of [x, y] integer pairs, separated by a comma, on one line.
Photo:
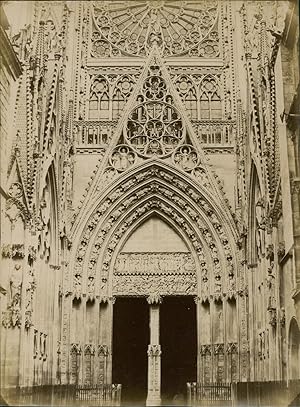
{"points": [[150, 196]]}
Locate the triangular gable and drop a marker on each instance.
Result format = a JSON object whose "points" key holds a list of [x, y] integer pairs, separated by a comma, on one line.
{"points": [[15, 177], [154, 107]]}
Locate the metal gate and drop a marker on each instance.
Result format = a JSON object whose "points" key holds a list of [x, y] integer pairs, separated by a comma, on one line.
{"points": [[106, 395], [213, 394]]}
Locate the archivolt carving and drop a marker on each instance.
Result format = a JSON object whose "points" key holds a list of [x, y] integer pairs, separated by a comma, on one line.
{"points": [[181, 196], [154, 128], [200, 174], [139, 211]]}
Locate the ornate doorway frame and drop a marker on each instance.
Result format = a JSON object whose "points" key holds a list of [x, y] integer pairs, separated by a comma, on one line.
{"points": [[192, 210]]}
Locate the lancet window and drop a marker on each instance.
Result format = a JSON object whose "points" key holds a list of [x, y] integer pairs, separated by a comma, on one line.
{"points": [[210, 100], [117, 104], [99, 99], [191, 103], [202, 100], [108, 97]]}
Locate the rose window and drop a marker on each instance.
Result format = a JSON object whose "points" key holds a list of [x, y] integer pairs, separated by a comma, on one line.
{"points": [[154, 128], [132, 27]]}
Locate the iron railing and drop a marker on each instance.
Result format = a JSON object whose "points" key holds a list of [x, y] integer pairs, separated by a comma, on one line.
{"points": [[105, 395], [209, 394], [67, 395]]}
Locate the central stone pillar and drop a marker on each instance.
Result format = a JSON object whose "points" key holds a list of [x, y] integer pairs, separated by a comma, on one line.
{"points": [[154, 353]]}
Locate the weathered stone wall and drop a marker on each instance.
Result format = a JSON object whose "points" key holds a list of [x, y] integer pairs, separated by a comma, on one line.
{"points": [[182, 152]]}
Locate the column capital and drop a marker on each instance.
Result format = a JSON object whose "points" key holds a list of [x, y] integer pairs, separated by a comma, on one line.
{"points": [[154, 299], [154, 350]]}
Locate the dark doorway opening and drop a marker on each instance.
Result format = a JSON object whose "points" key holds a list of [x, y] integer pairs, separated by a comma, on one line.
{"points": [[178, 338], [130, 344]]}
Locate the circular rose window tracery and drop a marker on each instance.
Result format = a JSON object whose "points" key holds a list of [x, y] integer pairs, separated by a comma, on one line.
{"points": [[132, 27], [154, 128]]}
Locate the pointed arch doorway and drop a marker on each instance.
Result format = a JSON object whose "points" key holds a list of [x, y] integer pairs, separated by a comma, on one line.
{"points": [[154, 316]]}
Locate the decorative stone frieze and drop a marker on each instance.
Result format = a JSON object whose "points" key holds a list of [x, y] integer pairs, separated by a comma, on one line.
{"points": [[232, 348], [219, 348], [164, 284], [154, 263], [206, 349]]}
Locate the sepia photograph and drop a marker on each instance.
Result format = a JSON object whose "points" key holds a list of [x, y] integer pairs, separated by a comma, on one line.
{"points": [[149, 203]]}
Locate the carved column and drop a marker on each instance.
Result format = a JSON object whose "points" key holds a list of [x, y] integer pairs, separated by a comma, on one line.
{"points": [[107, 338], [154, 353], [102, 364]]}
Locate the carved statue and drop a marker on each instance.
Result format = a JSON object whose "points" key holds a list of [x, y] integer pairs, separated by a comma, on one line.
{"points": [[15, 285], [270, 281], [122, 158], [12, 316], [186, 157], [30, 287]]}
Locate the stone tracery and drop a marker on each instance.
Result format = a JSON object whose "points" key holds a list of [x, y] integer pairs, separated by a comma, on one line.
{"points": [[122, 158], [186, 157], [154, 126], [107, 246], [108, 95], [178, 28], [154, 129]]}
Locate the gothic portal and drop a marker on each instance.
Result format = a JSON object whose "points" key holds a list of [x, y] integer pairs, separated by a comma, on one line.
{"points": [[150, 206]]}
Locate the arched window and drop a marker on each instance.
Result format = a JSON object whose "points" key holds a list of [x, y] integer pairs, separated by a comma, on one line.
{"points": [[99, 99], [93, 109], [186, 89], [191, 104], [104, 106], [294, 350], [117, 104], [210, 100], [204, 106], [121, 93]]}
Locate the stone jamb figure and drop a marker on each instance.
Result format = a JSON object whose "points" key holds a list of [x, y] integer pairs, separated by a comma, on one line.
{"points": [[15, 285]]}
